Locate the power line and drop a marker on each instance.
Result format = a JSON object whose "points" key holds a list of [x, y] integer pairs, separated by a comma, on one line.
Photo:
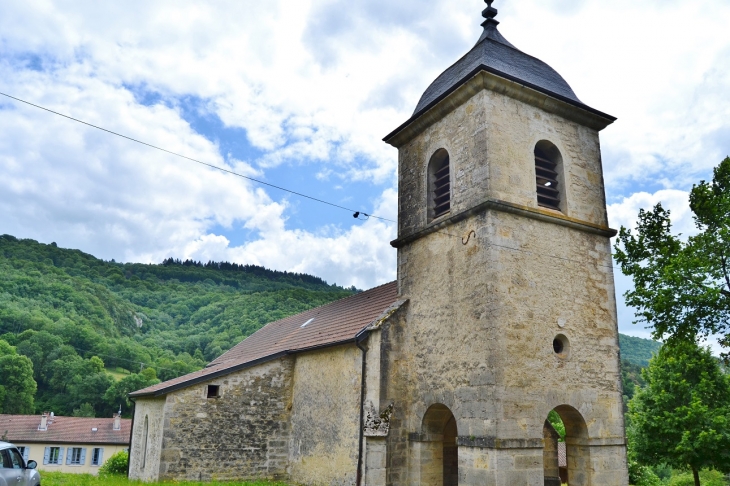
{"points": [[355, 212]]}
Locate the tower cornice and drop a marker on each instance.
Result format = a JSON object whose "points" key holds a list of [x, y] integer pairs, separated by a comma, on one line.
{"points": [[538, 214], [485, 77]]}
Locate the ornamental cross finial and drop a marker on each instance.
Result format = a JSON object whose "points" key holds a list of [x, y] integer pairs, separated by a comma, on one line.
{"points": [[490, 12]]}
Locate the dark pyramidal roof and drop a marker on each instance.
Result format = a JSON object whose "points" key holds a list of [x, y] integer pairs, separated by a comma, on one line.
{"points": [[493, 53]]}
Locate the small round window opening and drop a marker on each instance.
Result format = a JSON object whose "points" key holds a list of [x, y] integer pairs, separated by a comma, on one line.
{"points": [[561, 346]]}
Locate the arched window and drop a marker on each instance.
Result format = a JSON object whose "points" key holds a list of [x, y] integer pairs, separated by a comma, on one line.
{"points": [[439, 185], [548, 165], [144, 441]]}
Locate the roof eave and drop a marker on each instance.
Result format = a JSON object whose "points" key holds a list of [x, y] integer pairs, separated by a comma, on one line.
{"points": [[485, 77], [45, 441]]}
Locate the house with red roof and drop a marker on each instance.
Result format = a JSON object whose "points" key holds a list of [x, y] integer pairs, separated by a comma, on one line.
{"points": [[66, 444]]}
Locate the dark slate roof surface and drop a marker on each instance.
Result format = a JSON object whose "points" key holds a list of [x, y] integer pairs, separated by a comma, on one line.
{"points": [[334, 323], [495, 54], [67, 430]]}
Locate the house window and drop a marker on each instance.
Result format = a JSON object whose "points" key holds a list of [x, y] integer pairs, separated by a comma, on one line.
{"points": [[97, 455], [54, 455], [548, 167], [74, 458], [213, 391], [24, 451], [439, 185]]}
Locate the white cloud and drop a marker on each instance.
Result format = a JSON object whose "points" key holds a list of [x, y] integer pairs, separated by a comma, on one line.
{"points": [[315, 86], [626, 212]]}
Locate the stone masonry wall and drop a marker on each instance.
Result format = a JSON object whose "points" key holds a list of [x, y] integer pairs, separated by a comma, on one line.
{"points": [[478, 333], [490, 140], [325, 416], [243, 434]]}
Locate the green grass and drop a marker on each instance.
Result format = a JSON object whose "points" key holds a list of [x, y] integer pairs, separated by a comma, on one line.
{"points": [[117, 373], [66, 479]]}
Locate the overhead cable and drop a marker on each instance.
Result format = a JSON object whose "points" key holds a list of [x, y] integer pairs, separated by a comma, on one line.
{"points": [[258, 181]]}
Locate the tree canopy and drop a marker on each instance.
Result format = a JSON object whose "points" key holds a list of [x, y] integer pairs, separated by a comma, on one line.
{"points": [[682, 416], [682, 288], [17, 386], [72, 318]]}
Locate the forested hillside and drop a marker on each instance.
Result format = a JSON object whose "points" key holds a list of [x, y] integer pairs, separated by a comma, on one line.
{"points": [[637, 350], [86, 332], [60, 308]]}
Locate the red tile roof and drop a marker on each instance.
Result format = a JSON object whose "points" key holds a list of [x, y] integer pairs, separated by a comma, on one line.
{"points": [[67, 430], [334, 323]]}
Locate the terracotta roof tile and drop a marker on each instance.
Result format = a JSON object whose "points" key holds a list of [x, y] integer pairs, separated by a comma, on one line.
{"points": [[336, 322], [67, 430]]}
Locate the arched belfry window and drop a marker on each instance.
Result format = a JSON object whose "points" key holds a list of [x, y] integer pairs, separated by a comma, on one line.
{"points": [[548, 164], [439, 185]]}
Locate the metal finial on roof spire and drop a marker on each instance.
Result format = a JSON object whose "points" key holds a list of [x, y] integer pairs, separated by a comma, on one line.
{"points": [[489, 13]]}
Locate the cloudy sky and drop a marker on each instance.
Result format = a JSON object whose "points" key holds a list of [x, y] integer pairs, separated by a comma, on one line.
{"points": [[299, 94]]}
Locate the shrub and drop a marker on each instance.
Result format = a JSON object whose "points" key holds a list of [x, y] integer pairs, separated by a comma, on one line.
{"points": [[642, 475], [116, 464], [708, 477]]}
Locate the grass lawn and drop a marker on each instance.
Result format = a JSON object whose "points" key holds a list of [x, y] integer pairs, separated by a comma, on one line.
{"points": [[65, 479]]}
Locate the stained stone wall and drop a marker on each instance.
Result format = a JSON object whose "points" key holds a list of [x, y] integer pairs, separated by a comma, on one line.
{"points": [[325, 416], [478, 333], [242, 434], [294, 418], [144, 460]]}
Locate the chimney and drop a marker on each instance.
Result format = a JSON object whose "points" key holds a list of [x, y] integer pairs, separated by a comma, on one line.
{"points": [[44, 422], [118, 419]]}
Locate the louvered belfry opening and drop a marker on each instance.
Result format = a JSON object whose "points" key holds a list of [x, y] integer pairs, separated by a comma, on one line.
{"points": [[440, 184], [546, 176]]}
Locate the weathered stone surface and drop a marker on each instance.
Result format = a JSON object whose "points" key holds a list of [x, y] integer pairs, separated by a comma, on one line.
{"points": [[144, 460], [242, 434], [477, 333], [325, 420]]}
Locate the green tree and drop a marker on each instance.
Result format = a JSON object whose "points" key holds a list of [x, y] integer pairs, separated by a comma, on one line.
{"points": [[84, 410], [682, 416], [19, 387], [681, 288], [117, 393]]}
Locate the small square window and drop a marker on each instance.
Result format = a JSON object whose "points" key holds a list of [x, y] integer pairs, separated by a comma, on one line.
{"points": [[213, 391]]}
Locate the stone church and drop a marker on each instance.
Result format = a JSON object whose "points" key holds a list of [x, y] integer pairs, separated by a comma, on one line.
{"points": [[503, 311]]}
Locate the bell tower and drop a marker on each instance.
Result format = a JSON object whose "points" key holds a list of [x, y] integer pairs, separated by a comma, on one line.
{"points": [[504, 258]]}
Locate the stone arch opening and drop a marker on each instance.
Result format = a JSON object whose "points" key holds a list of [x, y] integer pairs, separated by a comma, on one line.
{"points": [[439, 454], [566, 455], [439, 185]]}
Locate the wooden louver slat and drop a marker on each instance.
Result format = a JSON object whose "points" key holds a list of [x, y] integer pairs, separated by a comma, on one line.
{"points": [[546, 181], [441, 190]]}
